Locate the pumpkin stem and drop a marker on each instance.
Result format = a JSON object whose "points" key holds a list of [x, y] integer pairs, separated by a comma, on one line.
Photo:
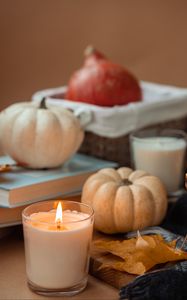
{"points": [[43, 104], [126, 182], [89, 50]]}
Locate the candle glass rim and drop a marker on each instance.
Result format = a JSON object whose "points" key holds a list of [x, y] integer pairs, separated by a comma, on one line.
{"points": [[144, 134], [28, 218]]}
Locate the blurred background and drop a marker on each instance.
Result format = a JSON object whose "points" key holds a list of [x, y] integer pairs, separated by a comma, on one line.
{"points": [[42, 41]]}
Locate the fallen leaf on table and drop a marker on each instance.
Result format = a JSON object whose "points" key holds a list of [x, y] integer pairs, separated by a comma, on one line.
{"points": [[140, 256]]}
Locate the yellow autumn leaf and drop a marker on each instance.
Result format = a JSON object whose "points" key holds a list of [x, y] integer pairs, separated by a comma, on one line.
{"points": [[139, 255]]}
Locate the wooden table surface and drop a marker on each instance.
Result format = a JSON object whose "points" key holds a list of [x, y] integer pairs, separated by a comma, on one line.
{"points": [[13, 284]]}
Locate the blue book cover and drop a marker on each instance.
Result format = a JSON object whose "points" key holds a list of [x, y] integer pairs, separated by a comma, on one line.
{"points": [[19, 185]]}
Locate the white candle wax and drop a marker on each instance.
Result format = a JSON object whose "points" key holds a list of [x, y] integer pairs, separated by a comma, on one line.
{"points": [[56, 257], [162, 157]]}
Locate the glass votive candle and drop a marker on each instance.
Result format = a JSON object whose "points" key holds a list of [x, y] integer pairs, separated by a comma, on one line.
{"points": [[57, 242], [161, 153]]}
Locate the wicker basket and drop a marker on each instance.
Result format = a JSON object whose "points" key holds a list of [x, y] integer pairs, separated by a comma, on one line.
{"points": [[118, 149], [164, 106]]}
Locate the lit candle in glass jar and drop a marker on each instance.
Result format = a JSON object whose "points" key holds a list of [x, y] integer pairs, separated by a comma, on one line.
{"points": [[57, 246]]}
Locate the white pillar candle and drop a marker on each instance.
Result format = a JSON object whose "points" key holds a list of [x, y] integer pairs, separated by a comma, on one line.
{"points": [[57, 254], [162, 157]]}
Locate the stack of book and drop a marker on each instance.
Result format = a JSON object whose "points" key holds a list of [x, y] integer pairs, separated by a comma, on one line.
{"points": [[20, 187]]}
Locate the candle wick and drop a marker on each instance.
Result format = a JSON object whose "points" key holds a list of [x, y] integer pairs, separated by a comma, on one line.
{"points": [[58, 225]]}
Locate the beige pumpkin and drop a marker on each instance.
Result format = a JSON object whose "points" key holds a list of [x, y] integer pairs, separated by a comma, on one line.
{"points": [[39, 136], [125, 200]]}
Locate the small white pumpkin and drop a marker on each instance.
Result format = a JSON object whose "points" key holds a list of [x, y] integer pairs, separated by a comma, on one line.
{"points": [[39, 137], [125, 200]]}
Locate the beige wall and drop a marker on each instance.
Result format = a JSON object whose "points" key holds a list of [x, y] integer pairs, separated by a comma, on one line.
{"points": [[42, 41]]}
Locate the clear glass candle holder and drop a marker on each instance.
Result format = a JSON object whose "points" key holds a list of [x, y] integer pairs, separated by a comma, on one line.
{"points": [[57, 254], [161, 152]]}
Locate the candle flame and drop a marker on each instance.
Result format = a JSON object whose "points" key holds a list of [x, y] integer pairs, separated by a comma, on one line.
{"points": [[58, 218]]}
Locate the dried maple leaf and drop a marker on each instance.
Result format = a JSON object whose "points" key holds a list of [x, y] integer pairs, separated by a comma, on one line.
{"points": [[140, 254]]}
